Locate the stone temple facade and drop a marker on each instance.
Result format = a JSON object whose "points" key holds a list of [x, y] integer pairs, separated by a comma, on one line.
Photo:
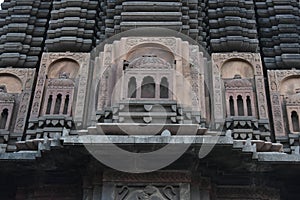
{"points": [[149, 100]]}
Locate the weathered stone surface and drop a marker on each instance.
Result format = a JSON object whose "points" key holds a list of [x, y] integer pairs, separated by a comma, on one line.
{"points": [[232, 26], [23, 24], [279, 31]]}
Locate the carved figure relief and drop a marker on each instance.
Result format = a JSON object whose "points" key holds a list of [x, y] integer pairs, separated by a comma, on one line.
{"points": [[148, 193]]}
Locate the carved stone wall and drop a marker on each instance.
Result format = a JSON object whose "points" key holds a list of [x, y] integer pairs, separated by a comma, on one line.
{"points": [[59, 72], [157, 185], [278, 27], [23, 26], [15, 97], [246, 193], [283, 86], [185, 73], [247, 65]]}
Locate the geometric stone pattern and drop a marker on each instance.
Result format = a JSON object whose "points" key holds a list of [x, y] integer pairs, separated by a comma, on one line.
{"points": [[29, 28], [23, 27], [183, 16], [72, 26], [284, 94], [113, 104], [58, 103], [278, 23], [16, 89], [232, 26], [42, 132], [248, 67]]}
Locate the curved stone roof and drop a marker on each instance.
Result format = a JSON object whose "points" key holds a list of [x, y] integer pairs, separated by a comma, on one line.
{"points": [[149, 62], [61, 82], [7, 97], [295, 98], [238, 82]]}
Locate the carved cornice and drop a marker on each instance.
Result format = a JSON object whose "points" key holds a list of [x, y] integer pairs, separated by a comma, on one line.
{"points": [[155, 177]]}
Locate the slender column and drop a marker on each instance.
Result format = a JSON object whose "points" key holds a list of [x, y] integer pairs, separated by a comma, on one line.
{"points": [[138, 87], [54, 96], [235, 105], [62, 105], [244, 97], [228, 104]]}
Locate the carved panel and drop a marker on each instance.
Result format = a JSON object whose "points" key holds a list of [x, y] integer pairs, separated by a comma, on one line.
{"points": [[167, 185], [21, 98], [183, 67], [147, 192], [279, 93], [161, 177], [248, 66], [169, 42], [44, 79]]}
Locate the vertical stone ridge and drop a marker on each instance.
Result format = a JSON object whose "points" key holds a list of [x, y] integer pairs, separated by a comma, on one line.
{"points": [[23, 27], [232, 26]]}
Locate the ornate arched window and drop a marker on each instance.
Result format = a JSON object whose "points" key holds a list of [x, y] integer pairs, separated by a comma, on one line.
{"points": [[239, 94], [148, 76], [59, 95]]}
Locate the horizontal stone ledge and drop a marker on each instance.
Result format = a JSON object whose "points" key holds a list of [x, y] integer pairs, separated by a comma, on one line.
{"points": [[151, 6], [277, 157], [151, 16], [112, 139], [26, 155]]}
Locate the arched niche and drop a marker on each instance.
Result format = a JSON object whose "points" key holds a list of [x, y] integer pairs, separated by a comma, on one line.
{"points": [[12, 83], [289, 85], [64, 65], [151, 49], [237, 66]]}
